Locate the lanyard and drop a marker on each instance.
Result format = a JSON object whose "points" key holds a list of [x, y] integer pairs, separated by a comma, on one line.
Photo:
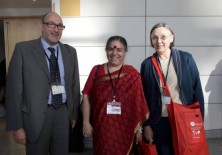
{"points": [[114, 87], [168, 65]]}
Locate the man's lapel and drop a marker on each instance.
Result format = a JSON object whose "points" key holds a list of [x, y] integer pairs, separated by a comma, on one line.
{"points": [[40, 57]]}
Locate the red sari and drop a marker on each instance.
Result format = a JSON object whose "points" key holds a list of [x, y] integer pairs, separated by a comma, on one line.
{"points": [[113, 134]]}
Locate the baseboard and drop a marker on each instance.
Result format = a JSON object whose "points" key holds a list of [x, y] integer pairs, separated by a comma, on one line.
{"points": [[213, 133], [88, 143]]}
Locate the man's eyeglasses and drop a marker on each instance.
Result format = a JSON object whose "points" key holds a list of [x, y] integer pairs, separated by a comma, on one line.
{"points": [[53, 25], [162, 38]]}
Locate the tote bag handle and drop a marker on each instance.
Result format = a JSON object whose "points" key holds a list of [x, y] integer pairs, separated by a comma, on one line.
{"points": [[159, 72]]}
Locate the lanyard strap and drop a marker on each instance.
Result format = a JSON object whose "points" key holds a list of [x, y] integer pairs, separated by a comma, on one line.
{"points": [[57, 64], [56, 57], [161, 76], [114, 87], [168, 65]]}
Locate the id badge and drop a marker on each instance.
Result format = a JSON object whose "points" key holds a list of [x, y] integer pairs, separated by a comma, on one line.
{"points": [[57, 89], [113, 107], [165, 99]]}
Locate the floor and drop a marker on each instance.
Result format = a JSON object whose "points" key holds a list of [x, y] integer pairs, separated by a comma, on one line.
{"points": [[8, 147]]}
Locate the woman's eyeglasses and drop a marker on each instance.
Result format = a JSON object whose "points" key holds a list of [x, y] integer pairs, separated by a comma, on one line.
{"points": [[162, 38]]}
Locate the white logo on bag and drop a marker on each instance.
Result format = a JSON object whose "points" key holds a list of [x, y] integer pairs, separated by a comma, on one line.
{"points": [[195, 129], [195, 124], [196, 132], [192, 123]]}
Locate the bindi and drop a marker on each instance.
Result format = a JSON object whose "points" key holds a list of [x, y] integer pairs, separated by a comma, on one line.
{"points": [[114, 47]]}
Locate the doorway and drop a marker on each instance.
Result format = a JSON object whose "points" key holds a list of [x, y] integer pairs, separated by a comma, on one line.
{"points": [[17, 30], [2, 69]]}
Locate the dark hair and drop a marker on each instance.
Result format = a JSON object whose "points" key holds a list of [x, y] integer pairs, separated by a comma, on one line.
{"points": [[165, 26], [44, 16], [120, 39]]}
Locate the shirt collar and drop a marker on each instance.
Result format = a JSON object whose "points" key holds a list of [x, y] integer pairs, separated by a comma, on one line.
{"points": [[46, 45]]}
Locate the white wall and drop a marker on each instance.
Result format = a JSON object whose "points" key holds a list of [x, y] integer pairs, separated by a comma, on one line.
{"points": [[197, 26]]}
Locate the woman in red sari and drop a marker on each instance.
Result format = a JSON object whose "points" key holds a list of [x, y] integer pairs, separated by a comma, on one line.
{"points": [[113, 96]]}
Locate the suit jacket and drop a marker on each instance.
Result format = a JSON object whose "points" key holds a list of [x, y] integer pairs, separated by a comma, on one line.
{"points": [[28, 86]]}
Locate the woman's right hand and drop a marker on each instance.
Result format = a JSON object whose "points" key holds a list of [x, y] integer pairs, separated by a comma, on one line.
{"points": [[148, 133], [87, 129]]}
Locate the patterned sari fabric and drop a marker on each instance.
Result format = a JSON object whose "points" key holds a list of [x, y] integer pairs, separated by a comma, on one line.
{"points": [[113, 134]]}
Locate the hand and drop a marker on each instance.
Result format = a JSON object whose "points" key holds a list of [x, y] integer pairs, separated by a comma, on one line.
{"points": [[19, 136], [73, 123], [139, 136], [148, 133], [87, 129]]}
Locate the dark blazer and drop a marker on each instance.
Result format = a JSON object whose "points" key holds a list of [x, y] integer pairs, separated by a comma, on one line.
{"points": [[188, 80], [28, 86]]}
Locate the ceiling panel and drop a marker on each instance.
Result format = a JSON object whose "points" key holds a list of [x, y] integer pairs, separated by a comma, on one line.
{"points": [[4, 4]]}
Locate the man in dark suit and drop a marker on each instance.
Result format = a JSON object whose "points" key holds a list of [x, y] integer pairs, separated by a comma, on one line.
{"points": [[42, 90]]}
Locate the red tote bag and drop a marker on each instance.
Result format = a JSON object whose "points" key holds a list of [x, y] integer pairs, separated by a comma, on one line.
{"points": [[147, 149], [187, 129], [187, 125]]}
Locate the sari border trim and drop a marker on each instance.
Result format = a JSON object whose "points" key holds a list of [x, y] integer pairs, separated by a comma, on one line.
{"points": [[135, 130]]}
